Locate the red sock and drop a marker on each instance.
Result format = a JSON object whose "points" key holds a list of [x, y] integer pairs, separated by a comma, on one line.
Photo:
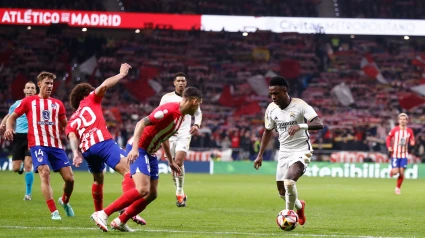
{"points": [[134, 209], [65, 198], [400, 180], [122, 202], [97, 193], [127, 183], [51, 204]]}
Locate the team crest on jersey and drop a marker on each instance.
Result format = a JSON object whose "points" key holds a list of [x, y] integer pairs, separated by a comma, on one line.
{"points": [[46, 115], [54, 106], [40, 159], [292, 114]]}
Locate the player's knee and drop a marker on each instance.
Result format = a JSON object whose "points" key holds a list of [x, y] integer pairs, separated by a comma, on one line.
{"points": [[143, 191], [282, 195], [153, 195]]}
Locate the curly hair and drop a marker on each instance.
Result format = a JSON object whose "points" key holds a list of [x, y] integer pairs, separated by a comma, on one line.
{"points": [[79, 92]]}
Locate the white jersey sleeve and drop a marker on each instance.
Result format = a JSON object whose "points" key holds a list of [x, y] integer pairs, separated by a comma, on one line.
{"points": [[198, 117], [269, 122], [309, 112]]}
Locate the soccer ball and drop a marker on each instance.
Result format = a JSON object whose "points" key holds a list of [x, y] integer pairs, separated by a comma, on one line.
{"points": [[287, 220]]}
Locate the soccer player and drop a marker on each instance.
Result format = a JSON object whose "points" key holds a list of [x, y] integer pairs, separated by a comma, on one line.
{"points": [[87, 132], [149, 133], [179, 143], [402, 135], [46, 118], [21, 158], [291, 118]]}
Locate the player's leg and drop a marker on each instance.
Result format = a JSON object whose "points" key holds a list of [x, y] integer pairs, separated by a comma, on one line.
{"points": [[60, 163], [181, 149], [139, 205], [96, 166], [142, 182], [394, 166], [40, 160], [29, 175], [140, 175], [281, 172], [402, 166], [18, 154]]}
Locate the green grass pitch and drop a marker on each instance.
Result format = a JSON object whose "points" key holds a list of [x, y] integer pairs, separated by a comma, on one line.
{"points": [[225, 206]]}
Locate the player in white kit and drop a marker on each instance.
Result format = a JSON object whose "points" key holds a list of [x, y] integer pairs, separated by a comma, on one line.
{"points": [[291, 118], [179, 143]]}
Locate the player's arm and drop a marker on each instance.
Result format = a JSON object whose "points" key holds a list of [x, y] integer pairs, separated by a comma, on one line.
{"points": [[265, 139], [198, 120], [140, 126], [412, 138], [171, 162], [388, 140], [313, 121], [110, 82], [10, 125], [3, 124], [73, 143]]}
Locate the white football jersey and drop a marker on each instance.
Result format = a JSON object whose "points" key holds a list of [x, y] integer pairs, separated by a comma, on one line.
{"points": [[185, 126], [297, 112]]}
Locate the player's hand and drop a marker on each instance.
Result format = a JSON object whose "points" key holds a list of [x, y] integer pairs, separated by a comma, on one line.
{"points": [[174, 167], [132, 156], [77, 160], [293, 129], [194, 130], [8, 134], [2, 129], [258, 162], [390, 149], [124, 69]]}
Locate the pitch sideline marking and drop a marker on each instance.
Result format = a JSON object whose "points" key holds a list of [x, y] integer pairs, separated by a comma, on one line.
{"points": [[197, 232]]}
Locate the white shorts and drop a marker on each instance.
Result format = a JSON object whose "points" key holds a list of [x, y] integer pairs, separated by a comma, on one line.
{"points": [[179, 143], [285, 161]]}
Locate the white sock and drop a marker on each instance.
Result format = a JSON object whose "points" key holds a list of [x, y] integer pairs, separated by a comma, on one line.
{"points": [[291, 193], [298, 204], [180, 182]]}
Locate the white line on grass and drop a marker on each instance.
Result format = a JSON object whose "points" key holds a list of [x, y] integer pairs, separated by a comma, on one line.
{"points": [[196, 232]]}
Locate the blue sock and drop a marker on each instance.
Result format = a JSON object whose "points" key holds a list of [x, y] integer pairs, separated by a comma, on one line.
{"points": [[29, 179]]}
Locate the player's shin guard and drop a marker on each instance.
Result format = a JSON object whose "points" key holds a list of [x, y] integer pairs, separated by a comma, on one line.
{"points": [[400, 180], [298, 204], [97, 193], [180, 182], [29, 180], [291, 193]]}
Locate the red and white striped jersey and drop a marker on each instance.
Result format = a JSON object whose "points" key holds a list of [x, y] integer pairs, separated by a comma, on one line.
{"points": [[43, 117], [88, 123], [165, 122], [401, 139]]}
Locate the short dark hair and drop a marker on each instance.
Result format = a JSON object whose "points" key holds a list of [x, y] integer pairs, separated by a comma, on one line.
{"points": [[278, 81], [179, 74], [78, 93], [30, 82], [192, 92]]}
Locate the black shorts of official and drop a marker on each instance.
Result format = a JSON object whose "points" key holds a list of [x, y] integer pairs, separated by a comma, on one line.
{"points": [[20, 146]]}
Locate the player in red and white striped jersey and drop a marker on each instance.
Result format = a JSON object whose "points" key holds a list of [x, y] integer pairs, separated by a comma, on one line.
{"points": [[87, 131], [401, 136], [149, 134], [46, 119]]}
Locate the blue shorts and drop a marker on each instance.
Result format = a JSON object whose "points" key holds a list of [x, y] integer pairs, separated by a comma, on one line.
{"points": [[42, 155], [145, 163], [399, 163], [105, 152]]}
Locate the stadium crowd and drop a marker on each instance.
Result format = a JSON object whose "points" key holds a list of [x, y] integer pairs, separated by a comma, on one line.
{"points": [[217, 62]]}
